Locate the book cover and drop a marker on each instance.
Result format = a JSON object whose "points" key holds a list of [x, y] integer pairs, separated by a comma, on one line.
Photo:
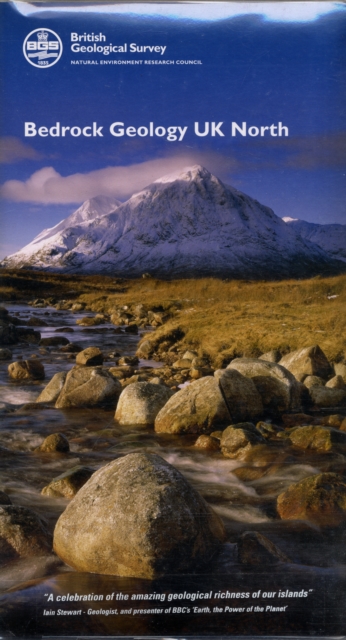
{"points": [[172, 320]]}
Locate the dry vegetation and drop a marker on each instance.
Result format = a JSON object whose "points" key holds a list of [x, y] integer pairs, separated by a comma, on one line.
{"points": [[219, 318]]}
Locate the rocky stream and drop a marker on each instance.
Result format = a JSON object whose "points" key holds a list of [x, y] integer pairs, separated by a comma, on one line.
{"points": [[218, 498]]}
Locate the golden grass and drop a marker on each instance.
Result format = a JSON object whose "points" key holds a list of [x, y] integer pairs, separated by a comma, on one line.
{"points": [[219, 318]]}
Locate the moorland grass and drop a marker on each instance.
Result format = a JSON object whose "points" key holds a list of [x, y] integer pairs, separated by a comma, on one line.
{"points": [[218, 318]]}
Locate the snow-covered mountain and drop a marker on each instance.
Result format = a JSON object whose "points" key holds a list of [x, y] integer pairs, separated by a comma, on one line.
{"points": [[330, 237], [185, 224], [89, 210]]}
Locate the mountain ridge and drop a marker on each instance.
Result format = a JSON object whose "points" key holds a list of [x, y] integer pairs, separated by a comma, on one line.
{"points": [[330, 237], [186, 224]]}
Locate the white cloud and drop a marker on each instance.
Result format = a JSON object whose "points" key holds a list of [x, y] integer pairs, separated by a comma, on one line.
{"points": [[210, 11], [47, 186]]}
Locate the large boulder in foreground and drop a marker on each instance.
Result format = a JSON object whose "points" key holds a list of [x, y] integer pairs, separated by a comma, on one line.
{"points": [[140, 403], [255, 549], [197, 408], [323, 397], [90, 357], [318, 438], [22, 533], [88, 387], [238, 440], [310, 361], [278, 388], [240, 394], [320, 499], [68, 484], [52, 390], [26, 370], [153, 522]]}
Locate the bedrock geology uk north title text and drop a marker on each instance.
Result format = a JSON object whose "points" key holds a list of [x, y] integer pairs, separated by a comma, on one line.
{"points": [[151, 130]]}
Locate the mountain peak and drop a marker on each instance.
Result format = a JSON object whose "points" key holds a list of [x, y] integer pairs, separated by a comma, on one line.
{"points": [[187, 174], [187, 224]]}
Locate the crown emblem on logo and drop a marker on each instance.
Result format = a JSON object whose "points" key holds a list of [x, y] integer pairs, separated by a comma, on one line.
{"points": [[42, 36]]}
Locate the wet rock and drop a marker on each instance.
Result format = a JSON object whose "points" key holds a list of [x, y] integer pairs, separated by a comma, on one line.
{"points": [[63, 305], [313, 381], [199, 362], [278, 388], [157, 380], [51, 392], [336, 383], [140, 403], [90, 321], [39, 303], [140, 310], [26, 370], [64, 330], [69, 483], [8, 332], [190, 355], [310, 361], [145, 350], [255, 549], [91, 357], [340, 370], [237, 442], [268, 430], [122, 372], [22, 533], [54, 443], [196, 374], [182, 364], [71, 347], [136, 378], [88, 387], [4, 499], [35, 321], [296, 419], [320, 499], [158, 318], [240, 394], [197, 408], [132, 328], [250, 473], [208, 443], [14, 320], [25, 334], [5, 354], [29, 407], [153, 522], [78, 306], [323, 397], [53, 341], [131, 361], [334, 420], [271, 356], [317, 438]]}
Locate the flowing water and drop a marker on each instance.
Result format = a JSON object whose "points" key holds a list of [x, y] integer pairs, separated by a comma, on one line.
{"points": [[96, 439]]}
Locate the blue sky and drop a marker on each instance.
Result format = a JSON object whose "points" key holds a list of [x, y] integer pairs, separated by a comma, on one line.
{"points": [[261, 64]]}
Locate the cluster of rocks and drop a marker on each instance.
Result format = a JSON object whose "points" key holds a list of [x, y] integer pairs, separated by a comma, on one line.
{"points": [[122, 315], [248, 389], [11, 332], [258, 411], [153, 521]]}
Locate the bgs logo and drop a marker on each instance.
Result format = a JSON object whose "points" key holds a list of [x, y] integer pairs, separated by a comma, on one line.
{"points": [[42, 48]]}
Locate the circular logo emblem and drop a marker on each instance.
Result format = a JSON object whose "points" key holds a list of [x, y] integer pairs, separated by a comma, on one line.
{"points": [[42, 48]]}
